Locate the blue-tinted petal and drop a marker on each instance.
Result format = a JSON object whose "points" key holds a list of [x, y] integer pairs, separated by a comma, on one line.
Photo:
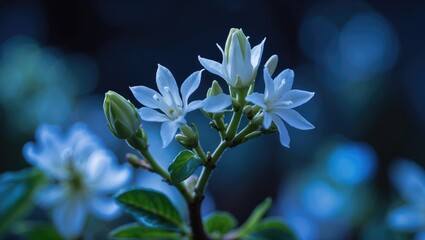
{"points": [[194, 105], [286, 75], [150, 115], [267, 121], [190, 85], [215, 104], [256, 53], [296, 97], [257, 99], [69, 217], [168, 131], [236, 65], [145, 96], [211, 66], [104, 207], [165, 79], [409, 179], [294, 119], [406, 218], [283, 132], [268, 81]]}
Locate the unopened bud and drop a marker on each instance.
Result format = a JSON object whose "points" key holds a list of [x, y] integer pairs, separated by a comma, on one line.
{"points": [[123, 119], [188, 136]]}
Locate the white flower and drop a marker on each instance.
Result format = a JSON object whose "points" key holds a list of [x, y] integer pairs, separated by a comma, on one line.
{"points": [[409, 179], [82, 176], [240, 62], [277, 103], [173, 106]]}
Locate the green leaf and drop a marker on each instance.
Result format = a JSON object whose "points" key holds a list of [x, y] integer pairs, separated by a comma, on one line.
{"points": [[220, 223], [33, 230], [138, 231], [150, 208], [17, 190], [271, 228], [255, 217], [183, 166]]}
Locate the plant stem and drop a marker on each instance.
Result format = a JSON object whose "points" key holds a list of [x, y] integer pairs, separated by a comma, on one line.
{"points": [[236, 117], [201, 153], [250, 128], [195, 219]]}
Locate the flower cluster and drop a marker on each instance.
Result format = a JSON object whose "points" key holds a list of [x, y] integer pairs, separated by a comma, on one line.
{"points": [[239, 69], [81, 175]]}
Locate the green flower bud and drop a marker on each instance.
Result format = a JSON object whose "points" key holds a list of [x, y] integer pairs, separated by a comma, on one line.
{"points": [[271, 64], [188, 136], [123, 119], [247, 110], [214, 90], [139, 140]]}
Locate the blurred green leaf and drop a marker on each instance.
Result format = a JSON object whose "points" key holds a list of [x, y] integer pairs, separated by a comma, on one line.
{"points": [[150, 208], [255, 217], [17, 190], [183, 166], [220, 223], [271, 228], [138, 231], [32, 230]]}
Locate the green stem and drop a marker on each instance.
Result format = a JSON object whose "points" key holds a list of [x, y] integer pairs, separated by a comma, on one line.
{"points": [[244, 132], [201, 153], [221, 128], [209, 167], [159, 170], [236, 117]]}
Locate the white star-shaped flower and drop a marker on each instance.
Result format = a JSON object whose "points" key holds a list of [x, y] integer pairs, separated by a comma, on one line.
{"points": [[278, 102]]}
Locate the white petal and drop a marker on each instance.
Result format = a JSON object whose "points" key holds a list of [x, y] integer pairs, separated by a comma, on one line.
{"points": [[297, 97], [211, 66], [409, 179], [256, 53], [150, 115], [267, 121], [216, 104], [145, 96], [236, 65], [283, 132], [47, 155], [168, 131], [194, 105], [406, 218], [112, 176], [164, 79], [257, 99], [268, 82], [50, 195], [69, 217], [190, 85], [286, 75], [82, 142], [104, 207], [294, 119]]}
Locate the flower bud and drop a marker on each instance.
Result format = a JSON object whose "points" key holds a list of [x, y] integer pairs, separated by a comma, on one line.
{"points": [[123, 119], [188, 136], [139, 140], [271, 64], [214, 90]]}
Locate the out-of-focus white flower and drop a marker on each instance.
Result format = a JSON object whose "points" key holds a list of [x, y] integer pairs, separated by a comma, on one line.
{"points": [[82, 176], [240, 62], [409, 179]]}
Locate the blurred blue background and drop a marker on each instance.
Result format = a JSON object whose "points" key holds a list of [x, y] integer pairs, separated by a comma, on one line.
{"points": [[363, 59]]}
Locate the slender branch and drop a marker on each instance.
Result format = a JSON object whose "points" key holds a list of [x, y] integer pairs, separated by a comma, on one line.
{"points": [[221, 128], [241, 135], [236, 117], [201, 153]]}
